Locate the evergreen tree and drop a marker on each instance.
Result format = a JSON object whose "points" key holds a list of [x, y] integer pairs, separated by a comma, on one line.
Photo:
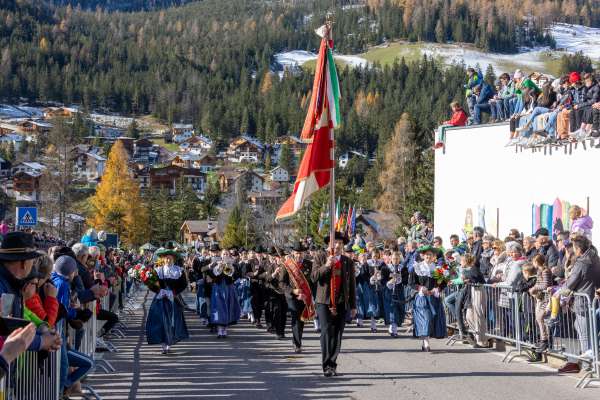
{"points": [[231, 236], [286, 159], [490, 75], [133, 130]]}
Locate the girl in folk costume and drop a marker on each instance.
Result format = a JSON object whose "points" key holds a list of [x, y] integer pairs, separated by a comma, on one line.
{"points": [[429, 318], [393, 293], [165, 323], [224, 303], [365, 293]]}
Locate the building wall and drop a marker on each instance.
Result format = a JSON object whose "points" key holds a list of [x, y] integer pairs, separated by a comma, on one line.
{"points": [[477, 171]]}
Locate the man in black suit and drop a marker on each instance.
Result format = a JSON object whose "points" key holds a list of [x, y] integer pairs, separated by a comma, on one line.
{"points": [[335, 274]]}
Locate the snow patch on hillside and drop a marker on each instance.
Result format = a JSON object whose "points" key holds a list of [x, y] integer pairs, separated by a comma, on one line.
{"points": [[573, 38], [297, 58]]}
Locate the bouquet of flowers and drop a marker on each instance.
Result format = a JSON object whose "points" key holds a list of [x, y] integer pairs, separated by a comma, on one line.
{"points": [[444, 273], [134, 272], [148, 276]]}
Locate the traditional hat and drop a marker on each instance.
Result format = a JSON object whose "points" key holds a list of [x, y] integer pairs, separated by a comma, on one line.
{"points": [[214, 247], [426, 248], [18, 246], [348, 248], [541, 232], [273, 251], [298, 246], [259, 249], [168, 250], [338, 236]]}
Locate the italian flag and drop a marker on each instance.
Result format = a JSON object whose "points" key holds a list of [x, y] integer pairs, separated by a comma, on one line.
{"points": [[322, 118]]}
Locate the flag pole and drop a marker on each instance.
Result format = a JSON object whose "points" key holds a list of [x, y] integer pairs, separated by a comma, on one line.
{"points": [[333, 222]]}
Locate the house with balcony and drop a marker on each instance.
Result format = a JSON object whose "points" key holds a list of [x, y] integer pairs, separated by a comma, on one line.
{"points": [[171, 176]]}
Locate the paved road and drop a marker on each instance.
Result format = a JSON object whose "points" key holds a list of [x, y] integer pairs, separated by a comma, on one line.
{"points": [[251, 364]]}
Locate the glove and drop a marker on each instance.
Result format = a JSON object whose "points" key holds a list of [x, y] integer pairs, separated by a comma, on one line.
{"points": [[84, 315]]}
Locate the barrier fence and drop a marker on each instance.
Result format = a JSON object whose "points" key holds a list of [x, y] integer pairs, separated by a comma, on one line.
{"points": [[36, 375], [547, 323]]}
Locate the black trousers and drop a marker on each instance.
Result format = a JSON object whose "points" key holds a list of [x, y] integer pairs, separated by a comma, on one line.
{"points": [[110, 318], [296, 308], [332, 329], [596, 119], [279, 308], [257, 301], [575, 119], [268, 307]]}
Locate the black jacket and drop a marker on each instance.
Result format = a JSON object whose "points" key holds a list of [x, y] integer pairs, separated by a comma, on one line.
{"points": [[591, 95], [551, 253], [321, 275]]}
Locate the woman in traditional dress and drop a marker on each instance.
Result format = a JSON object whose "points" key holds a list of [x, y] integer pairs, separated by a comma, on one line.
{"points": [[429, 318], [166, 323], [224, 304], [375, 264]]}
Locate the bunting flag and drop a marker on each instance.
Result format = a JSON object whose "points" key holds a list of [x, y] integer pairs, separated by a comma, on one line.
{"points": [[351, 220], [323, 116]]}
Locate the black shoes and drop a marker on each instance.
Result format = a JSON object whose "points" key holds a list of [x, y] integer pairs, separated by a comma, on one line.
{"points": [[329, 372], [297, 350]]}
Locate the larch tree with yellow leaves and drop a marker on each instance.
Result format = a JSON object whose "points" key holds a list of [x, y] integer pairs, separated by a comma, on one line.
{"points": [[117, 204]]}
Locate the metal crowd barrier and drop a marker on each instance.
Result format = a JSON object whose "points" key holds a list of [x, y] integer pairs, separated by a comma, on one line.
{"points": [[32, 378], [510, 317]]}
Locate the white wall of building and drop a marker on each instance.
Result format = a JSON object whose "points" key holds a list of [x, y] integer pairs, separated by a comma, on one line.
{"points": [[477, 171]]}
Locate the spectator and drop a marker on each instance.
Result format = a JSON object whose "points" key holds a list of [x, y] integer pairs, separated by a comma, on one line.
{"points": [[499, 102], [511, 277], [474, 78], [498, 261], [457, 246], [484, 93], [546, 248], [539, 293], [582, 115], [545, 102], [17, 256], [459, 118], [511, 103], [581, 224], [477, 246], [485, 261], [14, 345], [564, 122], [529, 247], [65, 269], [43, 301], [584, 279]]}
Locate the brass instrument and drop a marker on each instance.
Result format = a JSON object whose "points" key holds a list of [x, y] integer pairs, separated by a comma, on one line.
{"points": [[356, 269], [218, 269], [228, 270]]}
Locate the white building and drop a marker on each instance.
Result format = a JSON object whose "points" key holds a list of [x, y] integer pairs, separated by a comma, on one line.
{"points": [[279, 174], [497, 197]]}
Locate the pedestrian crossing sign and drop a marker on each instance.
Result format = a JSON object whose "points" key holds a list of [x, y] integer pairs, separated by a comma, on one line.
{"points": [[26, 216]]}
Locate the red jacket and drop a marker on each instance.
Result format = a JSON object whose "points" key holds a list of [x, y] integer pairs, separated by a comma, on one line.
{"points": [[459, 118], [48, 311]]}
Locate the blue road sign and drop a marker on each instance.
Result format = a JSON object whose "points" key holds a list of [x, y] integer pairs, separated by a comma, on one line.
{"points": [[27, 216]]}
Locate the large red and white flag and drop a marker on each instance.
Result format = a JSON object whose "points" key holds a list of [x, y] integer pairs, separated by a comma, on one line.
{"points": [[322, 118]]}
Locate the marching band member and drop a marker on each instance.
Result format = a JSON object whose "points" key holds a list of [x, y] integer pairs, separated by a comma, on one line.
{"points": [[206, 270], [295, 281], [394, 293], [166, 323], [257, 284], [366, 308], [277, 299], [225, 307], [429, 318], [336, 293], [316, 255], [244, 268], [202, 302], [376, 293]]}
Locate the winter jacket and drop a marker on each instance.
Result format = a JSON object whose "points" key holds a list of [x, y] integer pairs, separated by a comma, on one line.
{"points": [[473, 81], [551, 253], [485, 262], [82, 284], [487, 92], [476, 251], [591, 95], [585, 275], [64, 293], [459, 118], [46, 310], [507, 91], [583, 225], [577, 95]]}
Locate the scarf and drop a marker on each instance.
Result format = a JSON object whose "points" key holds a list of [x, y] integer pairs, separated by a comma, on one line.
{"points": [[335, 284], [299, 282]]}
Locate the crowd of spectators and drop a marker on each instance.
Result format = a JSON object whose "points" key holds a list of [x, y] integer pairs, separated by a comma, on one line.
{"points": [[54, 290], [540, 109]]}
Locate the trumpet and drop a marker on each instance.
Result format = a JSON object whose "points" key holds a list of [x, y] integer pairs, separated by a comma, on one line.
{"points": [[376, 277], [356, 269], [228, 270]]}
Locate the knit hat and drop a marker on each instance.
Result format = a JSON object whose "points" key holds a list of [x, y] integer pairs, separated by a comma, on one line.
{"points": [[518, 74], [65, 265], [574, 77]]}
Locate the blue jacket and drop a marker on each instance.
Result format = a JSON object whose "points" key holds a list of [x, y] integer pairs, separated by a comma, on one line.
{"points": [[63, 286], [410, 260], [487, 92]]}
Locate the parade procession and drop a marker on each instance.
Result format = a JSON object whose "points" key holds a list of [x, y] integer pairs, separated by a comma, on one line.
{"points": [[312, 199]]}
